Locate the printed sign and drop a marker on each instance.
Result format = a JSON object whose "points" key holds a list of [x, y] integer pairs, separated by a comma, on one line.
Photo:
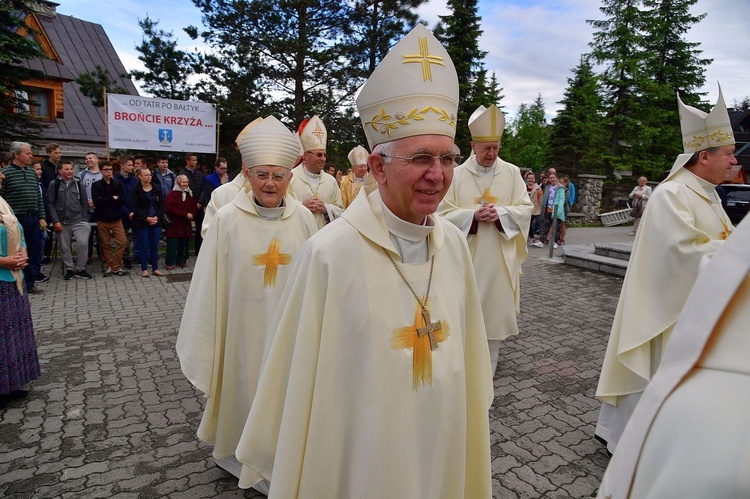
{"points": [[150, 124]]}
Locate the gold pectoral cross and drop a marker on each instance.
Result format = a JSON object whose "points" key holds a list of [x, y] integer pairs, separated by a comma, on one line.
{"points": [[486, 197], [272, 260], [422, 337]]}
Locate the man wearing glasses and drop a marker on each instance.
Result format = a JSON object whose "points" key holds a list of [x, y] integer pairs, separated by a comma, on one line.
{"points": [[378, 383], [316, 190], [214, 180], [238, 280], [489, 203]]}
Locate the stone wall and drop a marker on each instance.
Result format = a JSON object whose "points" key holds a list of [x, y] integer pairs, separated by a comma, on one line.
{"points": [[589, 196]]}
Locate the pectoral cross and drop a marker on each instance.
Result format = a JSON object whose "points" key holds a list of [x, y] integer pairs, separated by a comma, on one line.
{"points": [[422, 337], [429, 329], [272, 260], [486, 197]]}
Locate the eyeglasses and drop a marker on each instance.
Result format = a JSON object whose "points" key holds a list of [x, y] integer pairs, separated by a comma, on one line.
{"points": [[263, 176], [424, 161], [318, 154]]}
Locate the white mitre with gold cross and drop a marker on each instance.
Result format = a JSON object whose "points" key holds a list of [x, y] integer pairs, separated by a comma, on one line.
{"points": [[313, 134], [413, 91], [358, 156], [270, 143], [487, 124], [701, 130]]}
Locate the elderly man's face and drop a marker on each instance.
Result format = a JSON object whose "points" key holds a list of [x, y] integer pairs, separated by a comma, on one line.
{"points": [[486, 152], [25, 156], [410, 192], [642, 181], [269, 184], [359, 170], [315, 160]]}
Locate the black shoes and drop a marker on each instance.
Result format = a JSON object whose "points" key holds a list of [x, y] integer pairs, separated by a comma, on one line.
{"points": [[41, 277], [82, 274], [69, 275]]}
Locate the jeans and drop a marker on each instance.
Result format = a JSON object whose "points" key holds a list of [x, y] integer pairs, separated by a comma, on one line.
{"points": [[148, 246], [33, 237]]}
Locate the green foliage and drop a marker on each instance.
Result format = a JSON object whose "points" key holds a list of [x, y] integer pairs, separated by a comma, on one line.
{"points": [[14, 50], [578, 135], [167, 67], [526, 138], [459, 32], [94, 83]]}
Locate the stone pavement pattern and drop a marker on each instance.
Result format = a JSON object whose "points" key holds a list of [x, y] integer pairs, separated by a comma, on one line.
{"points": [[113, 416]]}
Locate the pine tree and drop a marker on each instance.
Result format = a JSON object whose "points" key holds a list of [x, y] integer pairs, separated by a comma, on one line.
{"points": [[14, 51], [577, 137], [167, 67], [526, 138], [459, 32], [618, 45]]}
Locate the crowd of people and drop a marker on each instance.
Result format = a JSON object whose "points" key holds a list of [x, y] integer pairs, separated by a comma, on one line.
{"points": [[308, 396]]}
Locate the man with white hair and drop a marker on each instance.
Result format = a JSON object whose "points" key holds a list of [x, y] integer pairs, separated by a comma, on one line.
{"points": [[488, 202], [239, 276], [315, 189], [388, 398], [353, 182], [226, 192], [683, 225]]}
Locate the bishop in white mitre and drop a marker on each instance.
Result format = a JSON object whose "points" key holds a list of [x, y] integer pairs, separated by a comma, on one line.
{"points": [[489, 203], [314, 188], [387, 399], [352, 183], [683, 225], [238, 280], [688, 436]]}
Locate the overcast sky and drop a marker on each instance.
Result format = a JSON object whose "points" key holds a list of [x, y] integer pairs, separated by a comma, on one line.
{"points": [[532, 45]]}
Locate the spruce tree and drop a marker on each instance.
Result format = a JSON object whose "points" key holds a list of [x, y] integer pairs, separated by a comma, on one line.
{"points": [[459, 32], [526, 138], [577, 137]]}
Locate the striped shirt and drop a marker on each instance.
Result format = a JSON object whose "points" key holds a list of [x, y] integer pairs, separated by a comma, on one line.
{"points": [[21, 190]]}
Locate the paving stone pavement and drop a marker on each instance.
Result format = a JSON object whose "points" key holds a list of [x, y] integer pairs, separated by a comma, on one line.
{"points": [[113, 416]]}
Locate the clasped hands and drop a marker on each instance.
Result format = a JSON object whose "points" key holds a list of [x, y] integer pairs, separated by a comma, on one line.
{"points": [[17, 261], [486, 213], [315, 205]]}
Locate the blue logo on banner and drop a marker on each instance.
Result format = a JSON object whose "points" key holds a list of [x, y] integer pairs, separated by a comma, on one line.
{"points": [[165, 135]]}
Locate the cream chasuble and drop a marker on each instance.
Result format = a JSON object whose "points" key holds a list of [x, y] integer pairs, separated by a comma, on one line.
{"points": [[497, 256], [683, 225], [350, 187], [224, 194], [689, 436], [352, 402], [239, 276], [306, 185]]}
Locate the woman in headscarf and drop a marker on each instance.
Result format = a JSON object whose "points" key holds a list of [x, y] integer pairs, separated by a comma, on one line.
{"points": [[182, 208], [19, 361]]}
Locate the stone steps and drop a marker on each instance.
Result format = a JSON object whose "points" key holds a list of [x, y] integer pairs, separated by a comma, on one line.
{"points": [[608, 258]]}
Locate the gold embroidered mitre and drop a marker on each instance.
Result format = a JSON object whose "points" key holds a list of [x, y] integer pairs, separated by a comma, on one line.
{"points": [[413, 91], [702, 130], [313, 134], [487, 124], [269, 142], [358, 156]]}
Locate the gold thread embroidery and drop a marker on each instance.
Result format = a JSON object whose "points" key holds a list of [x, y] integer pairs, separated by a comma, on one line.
{"points": [[381, 122], [721, 136], [272, 260], [424, 58], [421, 344], [486, 197], [318, 132]]}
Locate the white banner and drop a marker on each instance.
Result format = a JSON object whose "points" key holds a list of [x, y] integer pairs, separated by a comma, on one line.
{"points": [[151, 124]]}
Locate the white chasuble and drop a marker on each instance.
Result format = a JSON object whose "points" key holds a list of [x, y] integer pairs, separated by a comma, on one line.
{"points": [[224, 194], [239, 276], [689, 435], [305, 185], [683, 225], [351, 402], [497, 256]]}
